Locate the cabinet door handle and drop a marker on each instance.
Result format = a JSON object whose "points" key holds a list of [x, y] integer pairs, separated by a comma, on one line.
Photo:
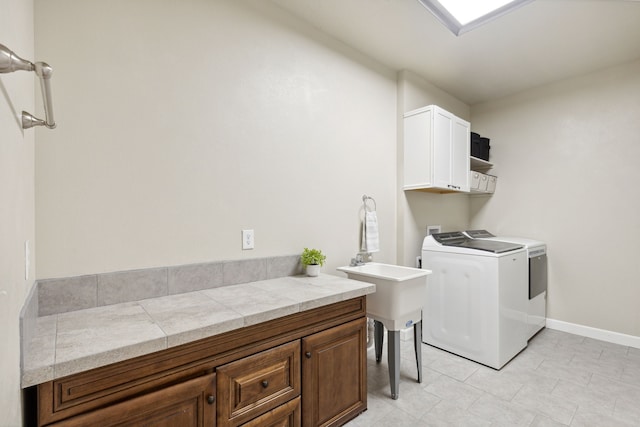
{"points": [[211, 399], [308, 354], [265, 383]]}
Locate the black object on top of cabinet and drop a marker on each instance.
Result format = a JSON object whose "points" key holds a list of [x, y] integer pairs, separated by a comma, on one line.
{"points": [[480, 146]]}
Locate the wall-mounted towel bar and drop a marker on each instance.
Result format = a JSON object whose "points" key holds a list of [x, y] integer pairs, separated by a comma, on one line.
{"points": [[10, 62], [364, 201], [370, 241]]}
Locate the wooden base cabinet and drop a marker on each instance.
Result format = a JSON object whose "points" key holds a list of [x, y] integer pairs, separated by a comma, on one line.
{"points": [[306, 369], [334, 375]]}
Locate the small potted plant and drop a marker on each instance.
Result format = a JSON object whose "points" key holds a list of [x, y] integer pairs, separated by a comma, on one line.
{"points": [[313, 259]]}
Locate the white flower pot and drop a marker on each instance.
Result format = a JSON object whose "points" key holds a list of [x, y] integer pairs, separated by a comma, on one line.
{"points": [[313, 270]]}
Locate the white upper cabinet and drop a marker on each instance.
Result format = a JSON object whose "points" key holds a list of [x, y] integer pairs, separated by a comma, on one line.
{"points": [[436, 151]]}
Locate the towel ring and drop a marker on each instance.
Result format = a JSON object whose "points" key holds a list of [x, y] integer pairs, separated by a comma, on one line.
{"points": [[364, 201]]}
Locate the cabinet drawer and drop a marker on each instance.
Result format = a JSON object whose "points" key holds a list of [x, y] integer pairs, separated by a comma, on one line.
{"points": [[191, 403], [287, 415], [253, 385]]}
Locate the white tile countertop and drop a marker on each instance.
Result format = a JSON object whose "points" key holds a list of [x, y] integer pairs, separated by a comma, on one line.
{"points": [[76, 341]]}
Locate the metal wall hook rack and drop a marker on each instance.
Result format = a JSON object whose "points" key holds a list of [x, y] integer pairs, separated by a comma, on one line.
{"points": [[10, 62]]}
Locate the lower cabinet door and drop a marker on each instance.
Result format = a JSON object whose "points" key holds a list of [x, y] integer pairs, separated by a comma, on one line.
{"points": [[191, 403], [334, 374], [287, 415]]}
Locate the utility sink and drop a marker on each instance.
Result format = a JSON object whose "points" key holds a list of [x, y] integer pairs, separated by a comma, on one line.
{"points": [[400, 292], [396, 304]]}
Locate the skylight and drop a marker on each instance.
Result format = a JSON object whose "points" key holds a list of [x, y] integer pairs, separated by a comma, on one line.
{"points": [[461, 16]]}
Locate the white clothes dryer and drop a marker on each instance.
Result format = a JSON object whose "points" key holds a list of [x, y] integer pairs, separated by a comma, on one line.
{"points": [[476, 297], [536, 277]]}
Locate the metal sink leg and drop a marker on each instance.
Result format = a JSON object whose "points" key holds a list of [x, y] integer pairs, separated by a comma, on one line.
{"points": [[417, 345], [393, 338], [378, 338], [393, 353]]}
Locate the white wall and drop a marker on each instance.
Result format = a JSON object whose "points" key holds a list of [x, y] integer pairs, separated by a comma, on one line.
{"points": [[16, 200], [567, 160], [418, 209], [182, 123]]}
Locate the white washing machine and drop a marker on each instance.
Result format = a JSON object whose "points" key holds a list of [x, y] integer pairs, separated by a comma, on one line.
{"points": [[536, 277], [476, 297]]}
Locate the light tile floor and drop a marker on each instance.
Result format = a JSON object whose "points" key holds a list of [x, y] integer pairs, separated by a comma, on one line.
{"points": [[560, 379]]}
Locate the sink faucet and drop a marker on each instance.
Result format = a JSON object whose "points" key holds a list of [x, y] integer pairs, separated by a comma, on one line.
{"points": [[360, 259]]}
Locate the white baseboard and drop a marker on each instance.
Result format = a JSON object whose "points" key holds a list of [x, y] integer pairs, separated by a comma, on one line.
{"points": [[595, 333], [572, 328]]}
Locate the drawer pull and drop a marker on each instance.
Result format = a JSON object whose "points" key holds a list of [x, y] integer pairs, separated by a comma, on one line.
{"points": [[308, 354], [265, 383], [211, 399]]}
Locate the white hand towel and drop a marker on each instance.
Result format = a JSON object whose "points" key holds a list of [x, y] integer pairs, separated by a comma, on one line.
{"points": [[370, 239]]}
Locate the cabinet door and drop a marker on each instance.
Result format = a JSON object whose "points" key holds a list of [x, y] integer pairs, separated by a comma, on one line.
{"points": [[442, 152], [334, 374], [460, 151], [418, 155], [191, 403]]}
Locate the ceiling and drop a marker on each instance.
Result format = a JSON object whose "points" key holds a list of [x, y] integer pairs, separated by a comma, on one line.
{"points": [[539, 43]]}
